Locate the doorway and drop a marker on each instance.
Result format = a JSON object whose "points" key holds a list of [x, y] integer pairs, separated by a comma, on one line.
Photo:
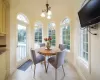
{"points": [[21, 54]]}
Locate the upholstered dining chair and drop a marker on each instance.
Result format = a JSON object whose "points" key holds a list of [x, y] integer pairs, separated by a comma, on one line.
{"points": [[57, 61], [62, 46], [36, 59], [42, 45]]}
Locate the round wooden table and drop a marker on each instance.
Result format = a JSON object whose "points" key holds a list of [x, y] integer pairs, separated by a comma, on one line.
{"points": [[48, 52]]}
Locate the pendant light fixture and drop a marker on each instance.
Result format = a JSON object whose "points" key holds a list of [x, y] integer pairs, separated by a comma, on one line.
{"points": [[47, 12]]}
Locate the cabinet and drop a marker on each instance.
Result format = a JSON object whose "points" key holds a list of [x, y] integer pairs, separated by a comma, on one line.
{"points": [[3, 66], [2, 18]]}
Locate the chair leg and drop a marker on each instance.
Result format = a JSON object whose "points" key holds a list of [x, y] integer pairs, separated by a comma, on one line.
{"points": [[34, 70], [31, 66], [55, 74], [47, 66], [41, 62], [63, 70]]}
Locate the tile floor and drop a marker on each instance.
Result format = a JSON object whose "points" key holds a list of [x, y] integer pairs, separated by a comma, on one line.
{"points": [[71, 74]]}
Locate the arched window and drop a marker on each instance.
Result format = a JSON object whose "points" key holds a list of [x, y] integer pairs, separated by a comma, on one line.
{"points": [[38, 33], [84, 46], [51, 33], [23, 18], [65, 33]]}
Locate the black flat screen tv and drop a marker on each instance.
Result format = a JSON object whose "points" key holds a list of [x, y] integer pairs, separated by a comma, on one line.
{"points": [[90, 13]]}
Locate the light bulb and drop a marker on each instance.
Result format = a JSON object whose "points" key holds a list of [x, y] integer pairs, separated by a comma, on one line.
{"points": [[49, 13], [48, 17], [42, 14]]}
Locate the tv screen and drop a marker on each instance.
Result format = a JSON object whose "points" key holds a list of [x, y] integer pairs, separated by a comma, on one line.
{"points": [[90, 13]]}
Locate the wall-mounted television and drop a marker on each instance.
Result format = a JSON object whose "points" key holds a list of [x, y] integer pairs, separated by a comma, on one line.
{"points": [[90, 13]]}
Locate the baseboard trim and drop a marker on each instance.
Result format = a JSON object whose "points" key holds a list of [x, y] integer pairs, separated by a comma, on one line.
{"points": [[12, 71]]}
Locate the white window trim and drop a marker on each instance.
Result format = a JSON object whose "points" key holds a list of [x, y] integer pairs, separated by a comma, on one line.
{"points": [[55, 37], [34, 38], [54, 28], [84, 62], [61, 40], [81, 44], [87, 64]]}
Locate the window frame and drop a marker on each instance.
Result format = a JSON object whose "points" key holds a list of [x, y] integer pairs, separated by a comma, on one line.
{"points": [[53, 28], [37, 25], [22, 18], [87, 64], [66, 23], [65, 36], [83, 43], [38, 35]]}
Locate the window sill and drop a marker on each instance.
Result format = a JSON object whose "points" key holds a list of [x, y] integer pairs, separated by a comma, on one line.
{"points": [[85, 63], [67, 50]]}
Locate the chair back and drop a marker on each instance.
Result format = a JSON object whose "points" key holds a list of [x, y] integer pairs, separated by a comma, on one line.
{"points": [[42, 44], [33, 56], [62, 47], [60, 58]]}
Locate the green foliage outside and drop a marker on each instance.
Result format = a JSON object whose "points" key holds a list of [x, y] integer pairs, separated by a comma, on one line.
{"points": [[38, 35], [66, 37], [22, 36], [52, 35]]}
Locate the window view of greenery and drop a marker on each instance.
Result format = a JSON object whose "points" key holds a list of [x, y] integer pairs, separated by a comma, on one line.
{"points": [[38, 35], [66, 37], [84, 44], [22, 35], [52, 35]]}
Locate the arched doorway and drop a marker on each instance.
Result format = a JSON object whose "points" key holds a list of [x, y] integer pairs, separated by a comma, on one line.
{"points": [[21, 54]]}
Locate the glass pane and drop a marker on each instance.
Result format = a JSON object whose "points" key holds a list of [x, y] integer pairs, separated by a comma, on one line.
{"points": [[68, 47], [86, 47], [68, 42], [40, 41], [38, 35], [66, 36], [86, 56], [21, 34], [86, 37]]}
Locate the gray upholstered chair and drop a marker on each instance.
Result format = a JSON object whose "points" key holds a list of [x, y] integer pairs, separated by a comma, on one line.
{"points": [[57, 61], [62, 47], [36, 59], [42, 45]]}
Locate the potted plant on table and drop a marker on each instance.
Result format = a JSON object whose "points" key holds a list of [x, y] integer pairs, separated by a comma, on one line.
{"points": [[48, 42]]}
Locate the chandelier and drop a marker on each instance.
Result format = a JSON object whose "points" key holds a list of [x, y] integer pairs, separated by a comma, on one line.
{"points": [[47, 12]]}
